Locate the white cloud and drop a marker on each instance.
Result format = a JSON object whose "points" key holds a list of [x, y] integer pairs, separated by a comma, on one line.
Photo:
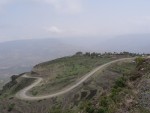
{"points": [[4, 2], [142, 21], [65, 6], [54, 30]]}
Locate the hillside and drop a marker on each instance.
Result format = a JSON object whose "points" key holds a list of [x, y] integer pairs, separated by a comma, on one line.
{"points": [[67, 69], [118, 88], [64, 71]]}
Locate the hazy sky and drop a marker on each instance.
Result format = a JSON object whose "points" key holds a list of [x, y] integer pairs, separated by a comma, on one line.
{"points": [[21, 19]]}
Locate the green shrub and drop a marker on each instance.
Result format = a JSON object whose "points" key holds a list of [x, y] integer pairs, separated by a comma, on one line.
{"points": [[90, 109], [34, 93], [102, 110], [55, 109], [121, 82], [104, 102], [139, 61], [134, 77], [11, 107], [115, 94]]}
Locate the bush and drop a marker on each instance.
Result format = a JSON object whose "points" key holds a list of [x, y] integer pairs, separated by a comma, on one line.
{"points": [[34, 93], [134, 77], [104, 102], [55, 109], [102, 110], [90, 109], [139, 61], [11, 107], [115, 94], [121, 82]]}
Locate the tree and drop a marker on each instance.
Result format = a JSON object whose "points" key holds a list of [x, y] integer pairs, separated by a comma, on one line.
{"points": [[139, 61], [79, 54]]}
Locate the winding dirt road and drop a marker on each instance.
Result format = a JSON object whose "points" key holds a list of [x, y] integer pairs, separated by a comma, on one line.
{"points": [[22, 94]]}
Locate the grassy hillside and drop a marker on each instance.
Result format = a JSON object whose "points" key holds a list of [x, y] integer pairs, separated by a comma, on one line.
{"points": [[128, 94], [121, 87], [61, 72], [65, 71]]}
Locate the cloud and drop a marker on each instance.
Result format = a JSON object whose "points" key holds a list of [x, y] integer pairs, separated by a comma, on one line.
{"points": [[142, 21], [3, 3], [54, 30], [65, 6]]}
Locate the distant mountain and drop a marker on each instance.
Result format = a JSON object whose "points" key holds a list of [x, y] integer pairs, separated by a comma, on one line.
{"points": [[139, 43], [131, 43]]}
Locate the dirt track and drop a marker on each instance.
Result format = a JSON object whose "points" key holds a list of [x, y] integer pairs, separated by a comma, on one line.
{"points": [[22, 94]]}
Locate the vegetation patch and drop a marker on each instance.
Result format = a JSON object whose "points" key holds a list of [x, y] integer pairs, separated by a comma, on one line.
{"points": [[11, 107], [83, 94], [92, 94], [65, 71]]}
